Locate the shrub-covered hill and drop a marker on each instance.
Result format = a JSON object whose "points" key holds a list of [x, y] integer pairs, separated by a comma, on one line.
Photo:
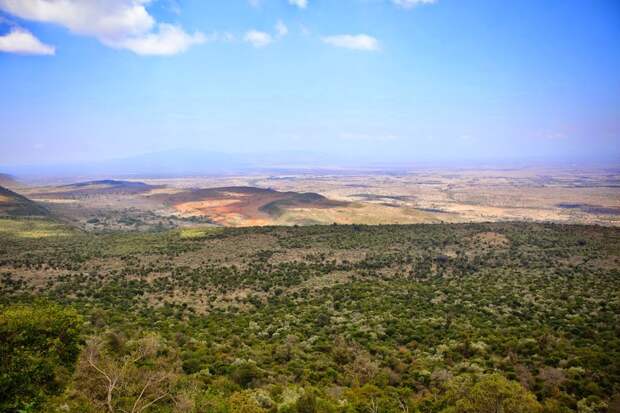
{"points": [[510, 317], [16, 205]]}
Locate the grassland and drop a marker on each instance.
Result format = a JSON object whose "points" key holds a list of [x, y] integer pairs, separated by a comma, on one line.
{"points": [[33, 228]]}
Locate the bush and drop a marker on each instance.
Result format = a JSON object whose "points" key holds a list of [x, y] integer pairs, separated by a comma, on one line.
{"points": [[489, 394], [38, 348]]}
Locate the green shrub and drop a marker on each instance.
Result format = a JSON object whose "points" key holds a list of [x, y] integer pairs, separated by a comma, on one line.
{"points": [[38, 348], [489, 394]]}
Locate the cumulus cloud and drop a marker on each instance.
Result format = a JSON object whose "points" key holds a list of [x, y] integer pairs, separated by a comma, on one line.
{"points": [[302, 4], [116, 23], [355, 42], [103, 19], [281, 29], [23, 42], [258, 39], [168, 40], [407, 4]]}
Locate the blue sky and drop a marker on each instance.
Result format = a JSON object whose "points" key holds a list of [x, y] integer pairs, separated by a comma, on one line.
{"points": [[377, 80]]}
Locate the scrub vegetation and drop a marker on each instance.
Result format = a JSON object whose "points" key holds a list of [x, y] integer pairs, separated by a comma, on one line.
{"points": [[486, 317]]}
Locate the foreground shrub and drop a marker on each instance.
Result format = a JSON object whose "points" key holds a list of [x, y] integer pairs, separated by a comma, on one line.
{"points": [[134, 376], [38, 348], [489, 394]]}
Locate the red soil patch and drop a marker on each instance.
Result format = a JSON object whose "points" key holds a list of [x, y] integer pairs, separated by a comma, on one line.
{"points": [[243, 206]]}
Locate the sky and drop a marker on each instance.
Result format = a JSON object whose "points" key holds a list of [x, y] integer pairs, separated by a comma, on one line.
{"points": [[400, 81]]}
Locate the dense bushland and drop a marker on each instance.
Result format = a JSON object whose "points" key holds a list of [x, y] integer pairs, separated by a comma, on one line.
{"points": [[428, 318]]}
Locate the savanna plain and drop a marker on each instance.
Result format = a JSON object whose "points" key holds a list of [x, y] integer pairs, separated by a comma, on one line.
{"points": [[493, 290]]}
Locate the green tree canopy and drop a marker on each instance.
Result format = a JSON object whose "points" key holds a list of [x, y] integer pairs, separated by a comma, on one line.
{"points": [[491, 393], [38, 348]]}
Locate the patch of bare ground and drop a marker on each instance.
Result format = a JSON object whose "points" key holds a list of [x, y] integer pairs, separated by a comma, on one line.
{"points": [[244, 205], [492, 239], [197, 300], [231, 250], [316, 284], [299, 254], [203, 301], [35, 279], [607, 263]]}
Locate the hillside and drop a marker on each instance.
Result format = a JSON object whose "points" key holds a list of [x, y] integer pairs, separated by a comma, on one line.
{"points": [[14, 204], [245, 205], [104, 187], [336, 319], [7, 180]]}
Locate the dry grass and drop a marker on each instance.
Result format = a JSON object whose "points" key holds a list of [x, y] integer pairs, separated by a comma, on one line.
{"points": [[33, 228], [198, 232], [356, 214]]}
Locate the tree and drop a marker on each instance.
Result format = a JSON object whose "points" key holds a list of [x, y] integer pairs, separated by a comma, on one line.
{"points": [[307, 402], [244, 402], [489, 394], [38, 348], [142, 375]]}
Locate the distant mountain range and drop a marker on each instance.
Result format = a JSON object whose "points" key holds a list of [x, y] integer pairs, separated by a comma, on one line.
{"points": [[180, 163], [194, 162]]}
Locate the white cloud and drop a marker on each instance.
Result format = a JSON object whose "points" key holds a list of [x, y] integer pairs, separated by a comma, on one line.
{"points": [[407, 4], [258, 39], [254, 3], [355, 42], [168, 40], [116, 23], [302, 4], [23, 42], [103, 19], [281, 29]]}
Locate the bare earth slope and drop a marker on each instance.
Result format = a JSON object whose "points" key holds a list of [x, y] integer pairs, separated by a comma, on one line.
{"points": [[245, 205]]}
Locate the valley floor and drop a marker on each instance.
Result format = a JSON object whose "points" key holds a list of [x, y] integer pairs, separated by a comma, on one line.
{"points": [[571, 196]]}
